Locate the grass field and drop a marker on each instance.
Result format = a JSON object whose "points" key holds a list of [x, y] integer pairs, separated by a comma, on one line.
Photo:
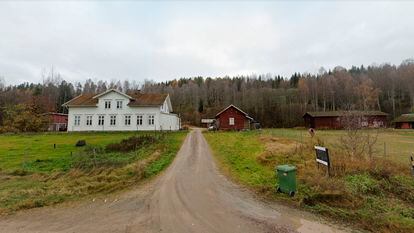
{"points": [[396, 145], [375, 195], [33, 173]]}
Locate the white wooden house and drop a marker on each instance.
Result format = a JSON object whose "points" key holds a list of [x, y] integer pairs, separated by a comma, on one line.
{"points": [[113, 110]]}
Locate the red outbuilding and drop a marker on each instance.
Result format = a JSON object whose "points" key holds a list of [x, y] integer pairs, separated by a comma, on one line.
{"points": [[405, 121], [339, 119], [233, 118], [57, 121]]}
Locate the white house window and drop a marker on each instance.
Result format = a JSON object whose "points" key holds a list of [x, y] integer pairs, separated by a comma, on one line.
{"points": [[119, 104], [127, 120], [77, 120], [231, 121], [139, 120], [107, 104], [113, 120], [101, 120], [151, 119], [89, 120]]}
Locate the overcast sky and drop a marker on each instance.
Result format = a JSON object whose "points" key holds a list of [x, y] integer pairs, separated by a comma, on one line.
{"points": [[166, 40]]}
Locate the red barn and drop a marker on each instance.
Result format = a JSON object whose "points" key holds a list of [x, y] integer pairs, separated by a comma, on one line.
{"points": [[337, 119], [57, 121], [233, 118], [405, 121]]}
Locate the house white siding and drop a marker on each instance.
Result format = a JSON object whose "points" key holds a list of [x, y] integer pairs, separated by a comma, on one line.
{"points": [[126, 118], [169, 121]]}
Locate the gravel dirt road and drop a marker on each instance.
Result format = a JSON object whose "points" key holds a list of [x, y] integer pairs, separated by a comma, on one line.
{"points": [[190, 196]]}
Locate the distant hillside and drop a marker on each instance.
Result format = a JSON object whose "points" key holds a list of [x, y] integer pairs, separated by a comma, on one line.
{"points": [[275, 101]]}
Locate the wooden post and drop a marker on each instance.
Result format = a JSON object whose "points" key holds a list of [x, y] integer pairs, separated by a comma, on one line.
{"points": [[301, 148], [94, 158]]}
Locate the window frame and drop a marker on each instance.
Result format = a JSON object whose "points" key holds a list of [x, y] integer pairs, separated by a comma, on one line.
{"points": [[127, 120], [232, 121], [119, 104], [151, 119], [101, 120], [89, 120], [112, 118], [77, 120], [140, 120], [107, 104]]}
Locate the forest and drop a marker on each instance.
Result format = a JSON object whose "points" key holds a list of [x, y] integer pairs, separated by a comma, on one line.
{"points": [[272, 100]]}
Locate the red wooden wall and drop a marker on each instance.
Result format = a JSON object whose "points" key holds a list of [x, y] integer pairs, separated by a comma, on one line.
{"points": [[404, 125], [335, 122], [55, 118], [240, 120]]}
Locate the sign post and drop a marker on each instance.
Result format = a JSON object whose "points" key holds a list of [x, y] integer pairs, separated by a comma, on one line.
{"points": [[322, 157]]}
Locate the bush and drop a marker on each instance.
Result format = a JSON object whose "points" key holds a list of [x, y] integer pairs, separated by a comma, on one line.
{"points": [[131, 143], [23, 118], [81, 143]]}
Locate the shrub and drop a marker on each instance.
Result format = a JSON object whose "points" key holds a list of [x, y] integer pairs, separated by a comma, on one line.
{"points": [[131, 143], [81, 143]]}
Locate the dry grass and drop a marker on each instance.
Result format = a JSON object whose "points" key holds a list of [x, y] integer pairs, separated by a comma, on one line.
{"points": [[374, 194], [274, 147]]}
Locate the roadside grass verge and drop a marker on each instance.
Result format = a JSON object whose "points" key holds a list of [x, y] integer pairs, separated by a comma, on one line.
{"points": [[50, 176], [376, 195]]}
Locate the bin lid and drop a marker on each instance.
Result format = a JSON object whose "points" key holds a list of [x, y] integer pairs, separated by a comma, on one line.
{"points": [[286, 168]]}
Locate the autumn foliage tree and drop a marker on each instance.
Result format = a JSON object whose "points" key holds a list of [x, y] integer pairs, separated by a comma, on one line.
{"points": [[273, 100], [23, 118]]}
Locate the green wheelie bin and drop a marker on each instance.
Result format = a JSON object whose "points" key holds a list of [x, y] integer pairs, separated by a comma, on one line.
{"points": [[287, 179]]}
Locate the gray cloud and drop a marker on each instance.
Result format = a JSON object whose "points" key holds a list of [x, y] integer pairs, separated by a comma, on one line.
{"points": [[164, 40]]}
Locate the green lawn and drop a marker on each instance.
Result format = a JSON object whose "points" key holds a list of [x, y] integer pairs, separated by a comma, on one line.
{"points": [[376, 196], [19, 150], [33, 173]]}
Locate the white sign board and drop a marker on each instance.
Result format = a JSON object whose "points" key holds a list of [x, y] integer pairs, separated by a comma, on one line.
{"points": [[322, 155]]}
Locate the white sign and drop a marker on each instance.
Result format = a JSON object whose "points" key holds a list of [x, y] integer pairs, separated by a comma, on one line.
{"points": [[322, 155]]}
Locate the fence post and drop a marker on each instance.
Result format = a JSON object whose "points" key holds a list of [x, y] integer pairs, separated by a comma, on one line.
{"points": [[301, 147], [94, 158]]}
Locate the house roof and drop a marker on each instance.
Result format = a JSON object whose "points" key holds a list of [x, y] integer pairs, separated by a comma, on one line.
{"points": [[238, 109], [342, 113], [112, 90], [409, 117], [136, 99], [147, 99], [86, 100]]}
